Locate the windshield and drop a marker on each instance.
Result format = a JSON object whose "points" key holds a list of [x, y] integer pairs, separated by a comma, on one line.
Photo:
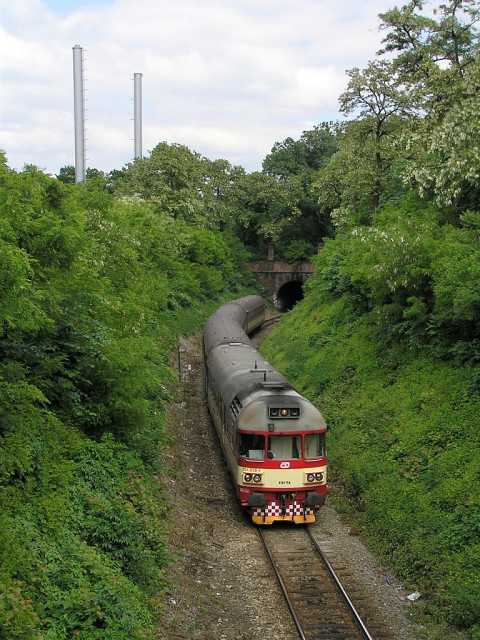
{"points": [[315, 445], [284, 447], [252, 446]]}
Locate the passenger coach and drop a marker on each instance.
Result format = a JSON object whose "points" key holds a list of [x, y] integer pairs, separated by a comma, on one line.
{"points": [[272, 437]]}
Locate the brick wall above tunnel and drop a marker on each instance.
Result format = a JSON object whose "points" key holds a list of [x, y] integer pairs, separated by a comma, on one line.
{"points": [[273, 274]]}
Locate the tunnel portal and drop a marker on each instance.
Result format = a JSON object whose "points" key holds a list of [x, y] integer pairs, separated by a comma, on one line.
{"points": [[289, 294], [283, 281]]}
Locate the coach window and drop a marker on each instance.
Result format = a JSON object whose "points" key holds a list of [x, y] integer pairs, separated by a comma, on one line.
{"points": [[284, 447], [315, 445], [252, 446]]}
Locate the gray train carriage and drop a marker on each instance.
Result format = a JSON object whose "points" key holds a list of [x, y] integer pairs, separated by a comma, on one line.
{"points": [[273, 438]]}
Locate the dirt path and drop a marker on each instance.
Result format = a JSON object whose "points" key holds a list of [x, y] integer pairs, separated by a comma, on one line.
{"points": [[223, 587]]}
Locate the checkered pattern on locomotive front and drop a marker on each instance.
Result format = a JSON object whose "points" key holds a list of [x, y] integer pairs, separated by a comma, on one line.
{"points": [[274, 508]]}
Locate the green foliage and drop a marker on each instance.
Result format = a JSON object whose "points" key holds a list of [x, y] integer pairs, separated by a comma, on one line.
{"points": [[67, 174], [298, 250], [182, 184], [437, 64], [415, 272], [432, 51], [93, 292], [265, 207], [376, 94], [295, 165], [294, 157], [92, 176], [278, 206], [387, 339], [415, 117], [386, 343], [444, 154], [355, 180], [403, 438]]}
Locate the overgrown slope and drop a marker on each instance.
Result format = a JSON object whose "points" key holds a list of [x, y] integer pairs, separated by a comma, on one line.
{"points": [[386, 344], [93, 291]]}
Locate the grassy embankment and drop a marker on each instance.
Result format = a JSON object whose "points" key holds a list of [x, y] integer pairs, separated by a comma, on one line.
{"points": [[385, 343], [93, 293]]}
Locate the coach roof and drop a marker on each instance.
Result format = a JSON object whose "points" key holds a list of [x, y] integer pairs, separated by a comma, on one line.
{"points": [[228, 324]]}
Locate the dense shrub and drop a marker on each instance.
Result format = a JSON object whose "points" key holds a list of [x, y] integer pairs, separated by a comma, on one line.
{"points": [[93, 291], [387, 340], [385, 343]]}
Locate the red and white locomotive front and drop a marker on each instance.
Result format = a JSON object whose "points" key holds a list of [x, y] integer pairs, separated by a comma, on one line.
{"points": [[273, 438], [282, 464]]}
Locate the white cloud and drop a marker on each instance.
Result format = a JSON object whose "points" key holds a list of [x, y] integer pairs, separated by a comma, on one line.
{"points": [[226, 77]]}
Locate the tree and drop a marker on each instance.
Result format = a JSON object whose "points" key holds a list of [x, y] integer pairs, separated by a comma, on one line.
{"points": [[295, 164], [312, 151], [264, 208], [376, 95], [432, 53], [437, 61], [416, 115], [183, 184], [67, 174], [445, 152]]}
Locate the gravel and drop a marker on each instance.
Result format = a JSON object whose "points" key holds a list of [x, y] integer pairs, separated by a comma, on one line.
{"points": [[222, 585]]}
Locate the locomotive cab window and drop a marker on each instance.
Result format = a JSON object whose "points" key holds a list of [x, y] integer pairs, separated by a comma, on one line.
{"points": [[252, 446], [284, 447], [315, 445]]}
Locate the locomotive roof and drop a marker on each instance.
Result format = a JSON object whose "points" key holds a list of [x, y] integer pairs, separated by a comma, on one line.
{"points": [[254, 414], [239, 370]]}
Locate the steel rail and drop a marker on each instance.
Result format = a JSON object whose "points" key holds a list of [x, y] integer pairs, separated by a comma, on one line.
{"points": [[356, 616], [296, 619], [351, 607], [271, 320]]}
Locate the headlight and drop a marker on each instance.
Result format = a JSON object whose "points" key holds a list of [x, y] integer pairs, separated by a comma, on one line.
{"points": [[247, 477], [257, 477], [284, 412], [319, 477], [310, 477]]}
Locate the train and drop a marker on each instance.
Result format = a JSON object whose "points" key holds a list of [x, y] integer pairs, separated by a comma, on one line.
{"points": [[273, 439]]}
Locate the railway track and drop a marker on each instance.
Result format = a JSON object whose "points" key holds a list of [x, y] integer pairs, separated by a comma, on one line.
{"points": [[272, 320], [320, 606]]}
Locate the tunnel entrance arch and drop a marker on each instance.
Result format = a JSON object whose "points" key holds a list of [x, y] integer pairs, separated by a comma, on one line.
{"points": [[275, 274], [288, 295]]}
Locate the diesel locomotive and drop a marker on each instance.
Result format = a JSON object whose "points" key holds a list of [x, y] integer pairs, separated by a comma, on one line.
{"points": [[273, 438]]}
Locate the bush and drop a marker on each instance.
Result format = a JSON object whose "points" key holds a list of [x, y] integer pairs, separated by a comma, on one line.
{"points": [[394, 370], [93, 292]]}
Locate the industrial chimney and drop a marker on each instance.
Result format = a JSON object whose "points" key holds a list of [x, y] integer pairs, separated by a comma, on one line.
{"points": [[79, 113], [137, 114]]}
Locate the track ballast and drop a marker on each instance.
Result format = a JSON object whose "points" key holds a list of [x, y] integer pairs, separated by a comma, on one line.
{"points": [[318, 602]]}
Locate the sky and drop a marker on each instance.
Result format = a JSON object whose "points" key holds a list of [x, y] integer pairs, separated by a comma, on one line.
{"points": [[227, 78]]}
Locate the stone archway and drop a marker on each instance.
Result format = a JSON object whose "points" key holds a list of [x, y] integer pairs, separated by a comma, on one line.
{"points": [[274, 275]]}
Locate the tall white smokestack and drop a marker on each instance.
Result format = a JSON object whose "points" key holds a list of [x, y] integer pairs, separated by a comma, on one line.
{"points": [[137, 114], [79, 113]]}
